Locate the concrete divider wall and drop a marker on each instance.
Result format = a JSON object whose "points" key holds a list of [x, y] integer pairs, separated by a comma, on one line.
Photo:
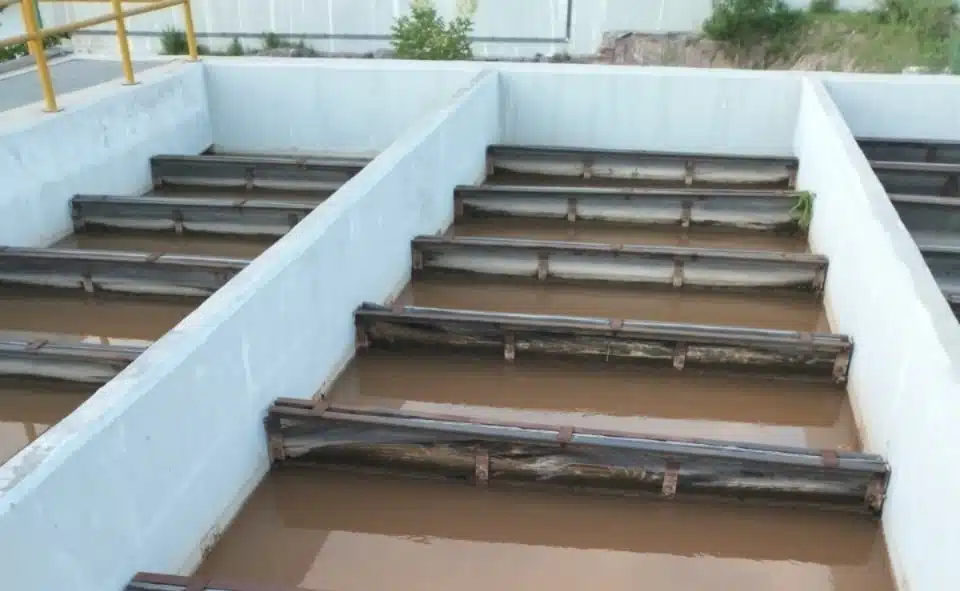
{"points": [[283, 105], [903, 381], [101, 142], [147, 473], [665, 109]]}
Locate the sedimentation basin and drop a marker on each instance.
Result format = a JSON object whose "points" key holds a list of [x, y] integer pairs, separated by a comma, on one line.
{"points": [[148, 473]]}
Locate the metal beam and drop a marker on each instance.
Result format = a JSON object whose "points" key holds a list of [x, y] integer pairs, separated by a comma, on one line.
{"points": [[910, 150], [642, 165], [659, 265], [249, 217], [918, 178], [741, 209], [782, 353], [249, 172], [117, 272], [929, 218], [628, 463], [144, 581], [64, 357]]}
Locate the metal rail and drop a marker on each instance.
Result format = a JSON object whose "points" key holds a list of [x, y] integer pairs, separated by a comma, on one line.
{"points": [[910, 150], [741, 209], [117, 272], [642, 165], [64, 357], [35, 35], [786, 353], [674, 266], [943, 261], [208, 215], [160, 582], [249, 172], [928, 217], [484, 451], [918, 178]]}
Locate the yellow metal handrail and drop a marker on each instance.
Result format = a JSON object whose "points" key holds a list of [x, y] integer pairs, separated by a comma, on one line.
{"points": [[35, 35]]}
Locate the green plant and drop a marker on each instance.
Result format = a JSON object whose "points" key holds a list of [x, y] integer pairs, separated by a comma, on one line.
{"points": [[20, 49], [823, 6], [424, 35], [930, 18], [802, 210], [746, 24], [235, 47], [173, 41], [273, 41]]}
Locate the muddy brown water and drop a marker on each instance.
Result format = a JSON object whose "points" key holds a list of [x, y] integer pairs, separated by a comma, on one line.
{"points": [[168, 242], [29, 408], [635, 302], [334, 531], [594, 231], [125, 318], [602, 395]]}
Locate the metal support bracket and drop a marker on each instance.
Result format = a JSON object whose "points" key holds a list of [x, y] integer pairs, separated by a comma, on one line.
{"points": [[671, 474], [543, 266], [679, 356], [686, 214], [481, 468], [510, 347], [689, 169], [571, 210], [678, 273]]}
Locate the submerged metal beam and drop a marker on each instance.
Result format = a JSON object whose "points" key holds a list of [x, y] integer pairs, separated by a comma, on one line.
{"points": [[627, 463], [64, 357], [642, 165], [249, 172], [250, 217], [768, 210], [162, 582], [117, 271], [910, 150], [918, 178], [674, 266], [778, 352]]}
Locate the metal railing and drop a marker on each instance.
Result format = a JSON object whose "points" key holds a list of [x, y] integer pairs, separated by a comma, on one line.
{"points": [[35, 34]]}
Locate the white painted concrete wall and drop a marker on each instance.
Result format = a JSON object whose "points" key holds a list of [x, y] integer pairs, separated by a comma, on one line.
{"points": [[150, 470], [99, 143], [503, 27], [666, 109], [314, 105], [903, 378]]}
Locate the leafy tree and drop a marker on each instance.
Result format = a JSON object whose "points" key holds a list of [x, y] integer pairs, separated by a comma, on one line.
{"points": [[424, 35]]}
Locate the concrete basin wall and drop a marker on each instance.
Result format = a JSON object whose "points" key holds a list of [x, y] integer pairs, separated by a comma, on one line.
{"points": [[148, 472], [664, 109], [100, 142], [355, 106], [903, 379]]}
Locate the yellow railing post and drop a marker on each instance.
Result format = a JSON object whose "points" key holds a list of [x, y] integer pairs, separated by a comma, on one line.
{"points": [[123, 42], [189, 30], [28, 9]]}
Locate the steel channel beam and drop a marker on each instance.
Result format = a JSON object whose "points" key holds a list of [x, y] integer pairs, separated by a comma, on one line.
{"points": [[658, 265], [64, 357], [163, 582], [741, 209], [117, 272], [249, 172], [488, 451], [929, 218], [785, 353], [918, 178], [642, 166], [910, 150], [247, 217]]}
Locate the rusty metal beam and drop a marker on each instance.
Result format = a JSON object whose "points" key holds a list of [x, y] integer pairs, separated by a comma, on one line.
{"points": [[614, 462], [918, 178], [742, 209], [117, 271], [910, 150], [202, 215], [145, 581], [675, 266], [781, 353], [685, 168], [65, 357], [254, 172]]}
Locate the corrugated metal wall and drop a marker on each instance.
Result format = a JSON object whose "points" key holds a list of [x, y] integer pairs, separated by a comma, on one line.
{"points": [[503, 27]]}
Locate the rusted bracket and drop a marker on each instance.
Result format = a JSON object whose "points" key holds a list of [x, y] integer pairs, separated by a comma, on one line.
{"points": [[571, 209], [829, 458], [841, 366], [565, 435], [678, 273], [87, 282], [417, 259], [509, 347], [686, 213], [679, 356], [876, 492], [671, 475], [178, 221], [481, 468], [689, 171], [543, 266]]}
